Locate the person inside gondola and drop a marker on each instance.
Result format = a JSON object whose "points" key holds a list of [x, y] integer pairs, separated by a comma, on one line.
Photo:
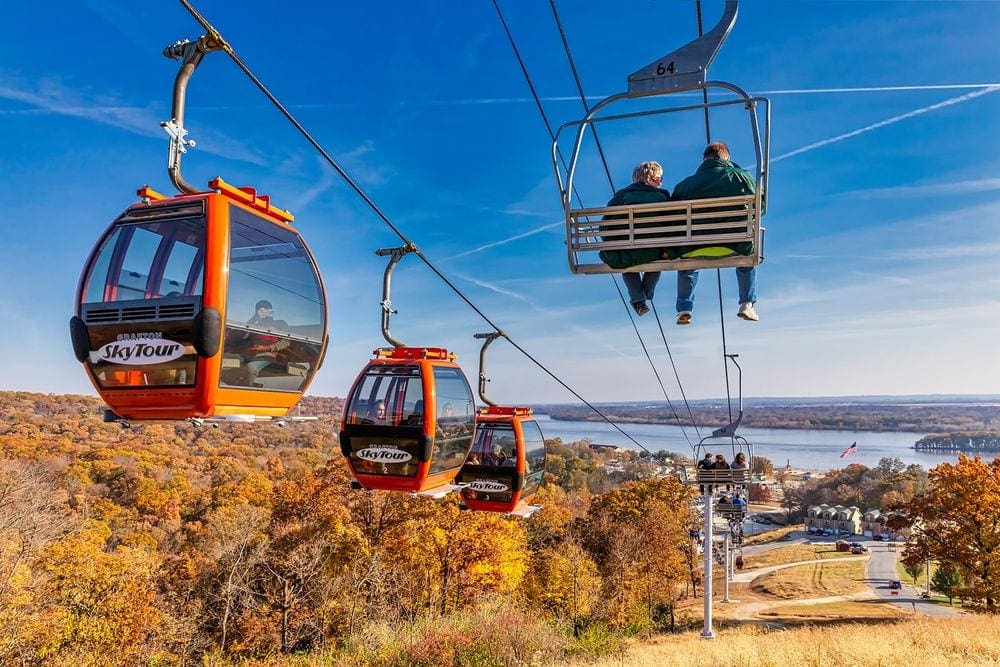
{"points": [[647, 177], [717, 176], [720, 463], [496, 457], [259, 349], [378, 414], [740, 462]]}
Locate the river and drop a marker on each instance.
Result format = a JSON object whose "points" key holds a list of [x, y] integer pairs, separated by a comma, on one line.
{"points": [[804, 450]]}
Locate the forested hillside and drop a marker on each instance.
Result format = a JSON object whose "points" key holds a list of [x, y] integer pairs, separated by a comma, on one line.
{"points": [[167, 542]]}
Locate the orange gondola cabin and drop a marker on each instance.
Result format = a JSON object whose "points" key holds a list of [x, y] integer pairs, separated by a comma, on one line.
{"points": [[408, 421], [505, 466], [202, 305]]}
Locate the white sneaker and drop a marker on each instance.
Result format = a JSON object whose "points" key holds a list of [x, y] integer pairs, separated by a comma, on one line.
{"points": [[683, 317], [747, 312]]}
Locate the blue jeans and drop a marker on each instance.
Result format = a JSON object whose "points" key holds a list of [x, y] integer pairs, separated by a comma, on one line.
{"points": [[746, 278], [640, 286]]}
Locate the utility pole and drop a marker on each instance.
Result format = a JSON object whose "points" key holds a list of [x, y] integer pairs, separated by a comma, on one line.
{"points": [[725, 546], [706, 584]]}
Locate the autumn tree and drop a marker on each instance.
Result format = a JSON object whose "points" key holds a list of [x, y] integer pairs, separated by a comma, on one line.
{"points": [[913, 569], [759, 493], [98, 602], [955, 523], [565, 582], [636, 534], [762, 466]]}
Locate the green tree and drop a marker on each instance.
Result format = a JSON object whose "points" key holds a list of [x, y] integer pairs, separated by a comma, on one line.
{"points": [[946, 580], [913, 569]]}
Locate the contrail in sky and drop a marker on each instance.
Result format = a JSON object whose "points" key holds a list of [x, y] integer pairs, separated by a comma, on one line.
{"points": [[507, 240], [889, 121]]}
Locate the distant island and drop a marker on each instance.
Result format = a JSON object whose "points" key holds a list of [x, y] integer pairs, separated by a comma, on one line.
{"points": [[957, 424], [960, 442]]}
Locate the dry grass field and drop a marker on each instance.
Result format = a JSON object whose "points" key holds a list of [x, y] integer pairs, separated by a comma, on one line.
{"points": [[820, 579], [793, 554], [916, 642]]}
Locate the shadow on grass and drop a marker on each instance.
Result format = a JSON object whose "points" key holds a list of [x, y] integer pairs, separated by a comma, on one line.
{"points": [[779, 622]]}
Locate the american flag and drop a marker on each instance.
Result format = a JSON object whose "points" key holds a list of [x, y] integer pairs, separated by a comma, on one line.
{"points": [[850, 450]]}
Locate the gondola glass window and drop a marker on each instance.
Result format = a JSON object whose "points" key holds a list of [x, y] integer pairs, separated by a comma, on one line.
{"points": [[151, 269], [390, 395], [275, 308], [534, 446], [455, 419]]}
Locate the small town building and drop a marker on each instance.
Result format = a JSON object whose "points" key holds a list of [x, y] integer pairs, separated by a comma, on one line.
{"points": [[838, 519]]}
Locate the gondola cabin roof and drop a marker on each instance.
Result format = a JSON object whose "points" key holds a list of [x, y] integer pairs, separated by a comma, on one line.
{"points": [[404, 353], [504, 411], [245, 195]]}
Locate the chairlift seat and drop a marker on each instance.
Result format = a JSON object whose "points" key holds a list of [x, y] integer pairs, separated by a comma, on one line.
{"points": [[710, 224], [723, 476]]}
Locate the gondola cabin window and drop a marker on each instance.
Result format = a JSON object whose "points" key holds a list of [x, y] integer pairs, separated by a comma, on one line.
{"points": [[389, 396], [275, 308], [534, 455], [455, 421], [145, 270]]}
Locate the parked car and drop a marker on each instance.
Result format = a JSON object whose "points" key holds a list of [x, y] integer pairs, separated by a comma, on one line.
{"points": [[877, 538], [895, 584], [828, 532], [925, 595], [858, 550]]}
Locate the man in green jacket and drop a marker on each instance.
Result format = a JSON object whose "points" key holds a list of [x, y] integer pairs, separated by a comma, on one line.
{"points": [[645, 189], [716, 177]]}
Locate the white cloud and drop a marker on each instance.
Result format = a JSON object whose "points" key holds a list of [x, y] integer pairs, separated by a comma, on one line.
{"points": [[51, 95]]}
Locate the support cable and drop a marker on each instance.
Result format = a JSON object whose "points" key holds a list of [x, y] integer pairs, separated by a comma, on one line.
{"points": [[607, 171], [225, 46], [579, 88]]}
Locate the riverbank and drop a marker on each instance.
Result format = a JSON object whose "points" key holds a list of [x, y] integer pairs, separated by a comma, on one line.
{"points": [[922, 417], [803, 450]]}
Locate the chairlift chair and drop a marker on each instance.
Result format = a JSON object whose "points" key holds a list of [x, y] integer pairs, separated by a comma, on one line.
{"points": [[711, 226]]}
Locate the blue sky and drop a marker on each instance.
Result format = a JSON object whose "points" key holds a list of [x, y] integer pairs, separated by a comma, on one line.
{"points": [[884, 210]]}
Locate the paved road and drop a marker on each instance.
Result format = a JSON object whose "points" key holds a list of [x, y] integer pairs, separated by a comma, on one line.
{"points": [[879, 571], [882, 569]]}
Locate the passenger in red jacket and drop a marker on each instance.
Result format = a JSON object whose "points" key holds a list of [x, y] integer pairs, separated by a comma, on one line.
{"points": [[259, 349]]}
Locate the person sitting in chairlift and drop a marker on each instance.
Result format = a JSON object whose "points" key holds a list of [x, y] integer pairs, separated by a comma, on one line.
{"points": [[647, 177], [716, 177]]}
